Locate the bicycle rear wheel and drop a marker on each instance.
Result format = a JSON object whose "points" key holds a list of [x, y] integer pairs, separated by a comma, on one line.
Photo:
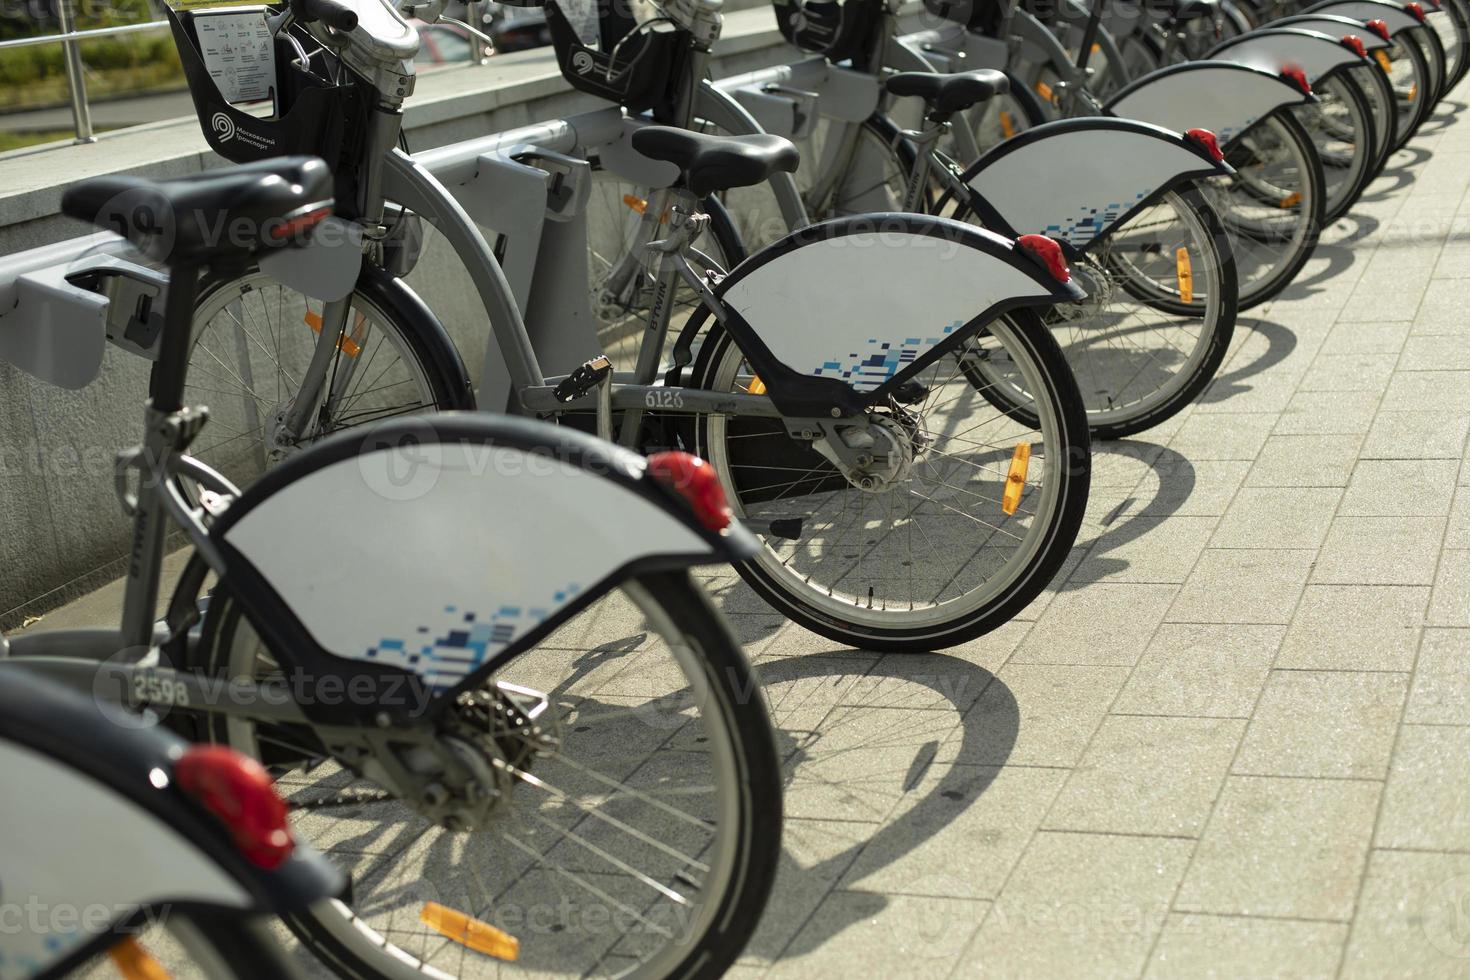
{"points": [[932, 555], [1340, 126], [640, 841], [1271, 207]]}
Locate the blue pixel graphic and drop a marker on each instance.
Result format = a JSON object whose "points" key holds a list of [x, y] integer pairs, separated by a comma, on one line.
{"points": [[880, 360], [1085, 227], [444, 655]]}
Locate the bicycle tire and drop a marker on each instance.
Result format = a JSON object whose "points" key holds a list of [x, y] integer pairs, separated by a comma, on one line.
{"points": [[351, 948], [229, 946]]}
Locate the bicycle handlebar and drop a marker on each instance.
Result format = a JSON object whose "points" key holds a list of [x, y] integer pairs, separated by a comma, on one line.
{"points": [[330, 13]]}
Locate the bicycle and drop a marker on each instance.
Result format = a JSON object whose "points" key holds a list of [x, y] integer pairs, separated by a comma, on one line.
{"points": [[392, 633], [209, 855], [896, 451]]}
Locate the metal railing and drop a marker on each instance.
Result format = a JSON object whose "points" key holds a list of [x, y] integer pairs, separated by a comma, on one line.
{"points": [[76, 83]]}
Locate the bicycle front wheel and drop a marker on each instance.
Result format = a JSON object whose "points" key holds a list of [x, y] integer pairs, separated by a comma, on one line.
{"points": [[641, 818], [935, 553], [253, 340]]}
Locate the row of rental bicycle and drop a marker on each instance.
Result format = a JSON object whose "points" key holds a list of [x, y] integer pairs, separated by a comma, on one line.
{"points": [[438, 686]]}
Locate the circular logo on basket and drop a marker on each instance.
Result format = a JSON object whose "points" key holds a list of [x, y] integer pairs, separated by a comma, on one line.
{"points": [[224, 126], [582, 62]]}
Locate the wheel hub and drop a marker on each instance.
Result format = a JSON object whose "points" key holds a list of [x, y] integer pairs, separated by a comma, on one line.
{"points": [[1099, 286]]}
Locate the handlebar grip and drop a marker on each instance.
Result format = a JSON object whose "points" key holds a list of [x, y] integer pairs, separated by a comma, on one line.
{"points": [[337, 16]]}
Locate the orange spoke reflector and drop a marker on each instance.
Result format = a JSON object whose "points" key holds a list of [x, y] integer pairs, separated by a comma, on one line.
{"points": [[1096, 48], [1383, 61], [1007, 127], [351, 346], [1185, 272], [636, 203], [471, 933], [134, 963], [1413, 91], [1016, 478], [1291, 200], [1044, 90], [757, 387]]}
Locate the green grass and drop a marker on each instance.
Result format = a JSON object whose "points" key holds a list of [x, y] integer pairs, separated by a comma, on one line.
{"points": [[21, 140]]}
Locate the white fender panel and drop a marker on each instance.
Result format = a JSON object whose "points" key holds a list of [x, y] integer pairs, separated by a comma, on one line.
{"points": [[867, 335], [1332, 28], [1073, 185], [79, 857], [1224, 98], [1396, 17], [1273, 51], [435, 557]]}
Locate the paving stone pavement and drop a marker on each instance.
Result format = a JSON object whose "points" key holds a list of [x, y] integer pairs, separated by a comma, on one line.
{"points": [[1232, 739]]}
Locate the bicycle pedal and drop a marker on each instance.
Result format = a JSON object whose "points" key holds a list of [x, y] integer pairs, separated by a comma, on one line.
{"points": [[583, 379]]}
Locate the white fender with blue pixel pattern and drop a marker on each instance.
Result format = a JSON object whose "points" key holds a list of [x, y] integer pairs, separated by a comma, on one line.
{"points": [[1276, 49], [1223, 97], [441, 543], [864, 299], [1075, 179]]}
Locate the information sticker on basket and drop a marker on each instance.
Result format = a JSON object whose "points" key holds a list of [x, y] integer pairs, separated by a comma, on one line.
{"points": [[239, 53], [585, 19]]}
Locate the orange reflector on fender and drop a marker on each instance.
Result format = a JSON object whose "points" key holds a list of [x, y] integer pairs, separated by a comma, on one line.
{"points": [[1185, 272], [470, 933], [1016, 478], [134, 963], [1291, 200], [346, 345]]}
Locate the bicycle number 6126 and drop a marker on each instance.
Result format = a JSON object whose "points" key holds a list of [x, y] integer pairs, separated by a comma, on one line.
{"points": [[664, 399]]}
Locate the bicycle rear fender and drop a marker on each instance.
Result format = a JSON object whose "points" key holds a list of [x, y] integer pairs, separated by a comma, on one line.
{"points": [[1276, 49], [104, 834], [1047, 179], [1334, 25], [1393, 14], [1224, 97], [835, 316], [441, 546]]}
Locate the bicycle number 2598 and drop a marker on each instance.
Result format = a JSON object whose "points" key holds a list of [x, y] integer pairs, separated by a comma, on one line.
{"points": [[159, 690]]}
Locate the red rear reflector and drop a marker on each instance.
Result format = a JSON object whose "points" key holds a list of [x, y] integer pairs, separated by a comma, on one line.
{"points": [[1048, 253], [694, 480], [1298, 78], [1416, 11], [295, 226], [238, 791], [1379, 27], [1355, 44], [1207, 140]]}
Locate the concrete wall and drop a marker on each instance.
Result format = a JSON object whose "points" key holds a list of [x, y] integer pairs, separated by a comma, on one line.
{"points": [[61, 531]]}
